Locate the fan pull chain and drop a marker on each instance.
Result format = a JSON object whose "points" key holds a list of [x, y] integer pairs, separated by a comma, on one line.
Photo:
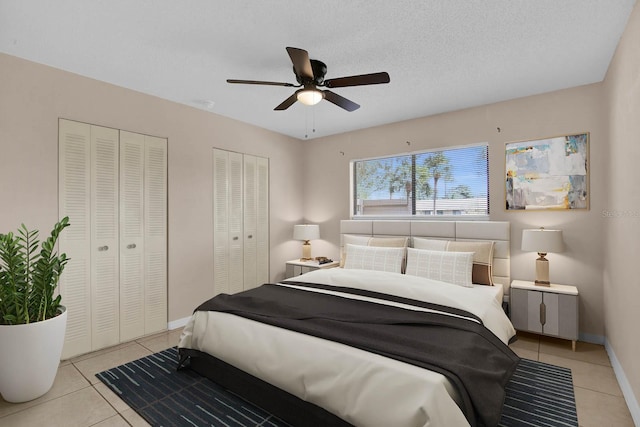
{"points": [[314, 119], [306, 121]]}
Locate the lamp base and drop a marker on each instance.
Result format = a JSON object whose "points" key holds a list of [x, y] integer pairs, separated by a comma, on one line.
{"points": [[542, 271], [306, 251]]}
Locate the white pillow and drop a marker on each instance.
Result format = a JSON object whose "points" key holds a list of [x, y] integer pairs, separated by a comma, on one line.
{"points": [[354, 239], [374, 258], [351, 239], [482, 273], [450, 267]]}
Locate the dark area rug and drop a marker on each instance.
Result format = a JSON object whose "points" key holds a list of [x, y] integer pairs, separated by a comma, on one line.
{"points": [[538, 394]]}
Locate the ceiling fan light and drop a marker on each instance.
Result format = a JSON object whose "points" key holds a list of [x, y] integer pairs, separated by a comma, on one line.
{"points": [[309, 96]]}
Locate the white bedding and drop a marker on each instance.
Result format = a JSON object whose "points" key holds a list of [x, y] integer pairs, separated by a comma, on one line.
{"points": [[364, 389]]}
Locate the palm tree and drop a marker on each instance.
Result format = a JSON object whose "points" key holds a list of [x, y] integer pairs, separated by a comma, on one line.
{"points": [[396, 174], [439, 168], [367, 179], [423, 188]]}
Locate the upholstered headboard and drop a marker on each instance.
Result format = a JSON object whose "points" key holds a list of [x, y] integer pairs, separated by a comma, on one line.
{"points": [[496, 231]]}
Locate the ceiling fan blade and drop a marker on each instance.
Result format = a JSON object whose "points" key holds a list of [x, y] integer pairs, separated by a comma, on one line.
{"points": [[363, 79], [301, 63], [287, 102], [340, 101], [260, 82]]}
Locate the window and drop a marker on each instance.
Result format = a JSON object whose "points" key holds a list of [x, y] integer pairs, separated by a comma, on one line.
{"points": [[437, 183]]}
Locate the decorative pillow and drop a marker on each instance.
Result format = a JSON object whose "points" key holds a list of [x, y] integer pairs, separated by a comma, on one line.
{"points": [[385, 242], [374, 258], [351, 239], [482, 258], [450, 267]]}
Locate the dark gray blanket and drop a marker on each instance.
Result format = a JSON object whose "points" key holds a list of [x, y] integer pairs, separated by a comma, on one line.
{"points": [[467, 353]]}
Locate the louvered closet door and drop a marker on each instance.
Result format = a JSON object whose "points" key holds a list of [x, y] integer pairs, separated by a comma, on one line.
{"points": [[250, 221], [74, 201], [104, 237], [132, 153], [221, 239], [240, 221], [113, 186], [262, 221], [228, 241], [155, 234], [236, 241]]}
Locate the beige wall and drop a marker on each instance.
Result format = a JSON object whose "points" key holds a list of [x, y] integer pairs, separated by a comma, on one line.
{"points": [[622, 228], [573, 110], [33, 97]]}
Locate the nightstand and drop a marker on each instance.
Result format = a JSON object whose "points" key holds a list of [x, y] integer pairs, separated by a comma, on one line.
{"points": [[551, 310], [296, 267]]}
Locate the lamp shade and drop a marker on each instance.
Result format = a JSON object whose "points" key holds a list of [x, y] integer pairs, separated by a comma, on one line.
{"points": [[306, 232], [542, 241], [309, 96]]}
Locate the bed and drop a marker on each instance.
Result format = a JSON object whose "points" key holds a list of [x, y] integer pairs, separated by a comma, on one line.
{"points": [[338, 371]]}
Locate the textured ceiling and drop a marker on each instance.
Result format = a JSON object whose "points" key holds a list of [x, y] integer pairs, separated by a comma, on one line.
{"points": [[441, 55]]}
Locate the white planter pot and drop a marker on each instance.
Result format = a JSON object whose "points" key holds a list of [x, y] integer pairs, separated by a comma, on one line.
{"points": [[29, 357]]}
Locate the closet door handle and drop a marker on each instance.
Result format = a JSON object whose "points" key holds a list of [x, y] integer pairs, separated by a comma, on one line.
{"points": [[235, 238], [131, 246], [250, 236], [103, 248]]}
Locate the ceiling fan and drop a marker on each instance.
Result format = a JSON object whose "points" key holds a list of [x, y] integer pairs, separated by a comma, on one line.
{"points": [[310, 75]]}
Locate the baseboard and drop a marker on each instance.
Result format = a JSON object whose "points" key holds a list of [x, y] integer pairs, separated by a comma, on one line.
{"points": [[627, 391], [591, 338], [175, 324]]}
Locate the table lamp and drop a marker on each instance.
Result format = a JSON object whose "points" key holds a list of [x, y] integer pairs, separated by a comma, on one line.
{"points": [[542, 241], [306, 232]]}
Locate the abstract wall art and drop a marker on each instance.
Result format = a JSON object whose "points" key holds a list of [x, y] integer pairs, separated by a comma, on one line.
{"points": [[550, 173]]}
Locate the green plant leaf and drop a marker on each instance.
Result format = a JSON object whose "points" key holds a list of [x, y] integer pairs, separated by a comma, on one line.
{"points": [[29, 274]]}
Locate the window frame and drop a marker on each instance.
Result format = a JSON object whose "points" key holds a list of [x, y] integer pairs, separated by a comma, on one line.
{"points": [[352, 188]]}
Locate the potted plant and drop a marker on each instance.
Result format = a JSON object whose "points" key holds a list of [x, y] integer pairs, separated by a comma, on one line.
{"points": [[32, 320]]}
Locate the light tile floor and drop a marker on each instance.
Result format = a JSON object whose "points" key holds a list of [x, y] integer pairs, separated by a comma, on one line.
{"points": [[79, 399], [599, 400]]}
